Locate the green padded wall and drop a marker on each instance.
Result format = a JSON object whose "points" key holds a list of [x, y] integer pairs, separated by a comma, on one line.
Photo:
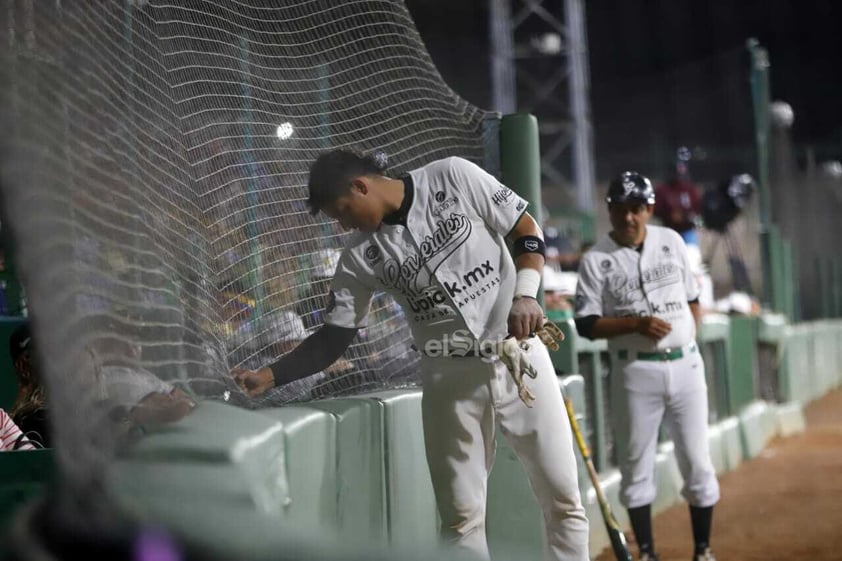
{"points": [[361, 483], [217, 433], [410, 503], [23, 474], [310, 453]]}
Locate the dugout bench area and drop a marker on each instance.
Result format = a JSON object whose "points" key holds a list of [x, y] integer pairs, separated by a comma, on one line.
{"points": [[245, 483]]}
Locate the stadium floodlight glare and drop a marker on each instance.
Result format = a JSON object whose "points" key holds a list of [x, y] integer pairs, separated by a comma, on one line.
{"points": [[284, 131], [832, 169], [547, 43]]}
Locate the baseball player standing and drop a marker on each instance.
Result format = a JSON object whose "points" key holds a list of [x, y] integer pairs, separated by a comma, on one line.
{"points": [[636, 289], [434, 239]]}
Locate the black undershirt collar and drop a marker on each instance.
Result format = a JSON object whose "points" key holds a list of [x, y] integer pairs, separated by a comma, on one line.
{"points": [[399, 216], [637, 248]]}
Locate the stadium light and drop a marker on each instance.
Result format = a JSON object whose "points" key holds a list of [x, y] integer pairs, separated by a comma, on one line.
{"points": [[284, 131]]}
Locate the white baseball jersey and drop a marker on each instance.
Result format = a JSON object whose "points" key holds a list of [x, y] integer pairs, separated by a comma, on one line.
{"points": [[449, 267], [450, 270], [617, 281]]}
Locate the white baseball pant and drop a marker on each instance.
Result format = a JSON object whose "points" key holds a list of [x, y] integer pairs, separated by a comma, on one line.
{"points": [[464, 400], [645, 392]]}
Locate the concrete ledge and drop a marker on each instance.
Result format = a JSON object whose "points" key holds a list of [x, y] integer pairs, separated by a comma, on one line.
{"points": [[717, 449], [790, 418], [598, 537], [757, 426], [732, 448], [771, 328], [667, 478]]}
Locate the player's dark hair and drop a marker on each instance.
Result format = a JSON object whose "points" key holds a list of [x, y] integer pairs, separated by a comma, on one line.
{"points": [[332, 172]]}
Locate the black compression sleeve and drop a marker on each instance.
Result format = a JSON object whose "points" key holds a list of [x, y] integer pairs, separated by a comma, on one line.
{"points": [[585, 326], [314, 354]]}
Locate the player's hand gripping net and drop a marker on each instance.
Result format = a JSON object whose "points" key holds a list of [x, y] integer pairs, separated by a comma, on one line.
{"points": [[514, 356]]}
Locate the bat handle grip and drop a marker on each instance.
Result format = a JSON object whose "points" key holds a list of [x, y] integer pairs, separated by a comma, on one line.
{"points": [[574, 424]]}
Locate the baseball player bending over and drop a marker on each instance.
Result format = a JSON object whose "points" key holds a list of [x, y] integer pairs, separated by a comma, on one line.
{"points": [[636, 288], [434, 239]]}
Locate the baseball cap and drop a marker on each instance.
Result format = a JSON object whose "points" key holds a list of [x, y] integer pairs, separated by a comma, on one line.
{"points": [[20, 341]]}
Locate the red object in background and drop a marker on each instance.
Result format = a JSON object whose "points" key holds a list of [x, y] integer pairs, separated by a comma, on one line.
{"points": [[677, 204]]}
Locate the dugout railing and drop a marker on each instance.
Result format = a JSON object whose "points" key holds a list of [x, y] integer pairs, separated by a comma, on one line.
{"points": [[354, 467]]}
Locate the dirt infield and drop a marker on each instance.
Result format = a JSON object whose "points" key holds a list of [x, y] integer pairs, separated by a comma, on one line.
{"points": [[785, 505]]}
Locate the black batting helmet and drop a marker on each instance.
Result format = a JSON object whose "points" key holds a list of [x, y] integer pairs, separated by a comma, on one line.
{"points": [[631, 186]]}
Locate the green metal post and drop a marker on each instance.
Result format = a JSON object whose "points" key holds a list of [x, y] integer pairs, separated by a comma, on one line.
{"points": [[520, 162], [792, 258], [256, 258], [742, 370], [760, 102], [597, 414], [789, 276], [777, 269]]}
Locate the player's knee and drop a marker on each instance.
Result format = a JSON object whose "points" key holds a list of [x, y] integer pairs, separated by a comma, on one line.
{"points": [[463, 521], [563, 507], [635, 495], [703, 491]]}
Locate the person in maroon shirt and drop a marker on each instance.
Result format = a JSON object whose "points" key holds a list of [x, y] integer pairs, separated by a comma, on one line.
{"points": [[678, 204]]}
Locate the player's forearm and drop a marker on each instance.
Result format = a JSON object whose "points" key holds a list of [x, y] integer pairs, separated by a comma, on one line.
{"points": [[606, 328], [316, 353], [530, 261], [696, 310]]}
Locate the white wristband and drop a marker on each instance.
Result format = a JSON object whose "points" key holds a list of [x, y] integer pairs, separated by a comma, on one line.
{"points": [[527, 283]]}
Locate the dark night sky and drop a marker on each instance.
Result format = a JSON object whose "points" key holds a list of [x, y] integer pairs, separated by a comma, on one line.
{"points": [[670, 58]]}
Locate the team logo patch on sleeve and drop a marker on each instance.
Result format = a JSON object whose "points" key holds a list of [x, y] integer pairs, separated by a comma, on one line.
{"points": [[502, 197], [372, 253], [520, 206], [606, 264]]}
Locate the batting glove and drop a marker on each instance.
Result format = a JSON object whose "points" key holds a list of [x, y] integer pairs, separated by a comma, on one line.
{"points": [[549, 333], [513, 355]]}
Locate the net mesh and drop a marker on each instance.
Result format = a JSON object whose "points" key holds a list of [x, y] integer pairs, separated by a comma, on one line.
{"points": [[154, 167]]}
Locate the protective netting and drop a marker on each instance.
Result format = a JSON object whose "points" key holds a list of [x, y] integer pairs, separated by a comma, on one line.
{"points": [[154, 167]]}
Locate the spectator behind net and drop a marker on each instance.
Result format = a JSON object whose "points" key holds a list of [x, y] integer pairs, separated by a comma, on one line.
{"points": [[135, 394], [29, 410], [678, 204]]}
